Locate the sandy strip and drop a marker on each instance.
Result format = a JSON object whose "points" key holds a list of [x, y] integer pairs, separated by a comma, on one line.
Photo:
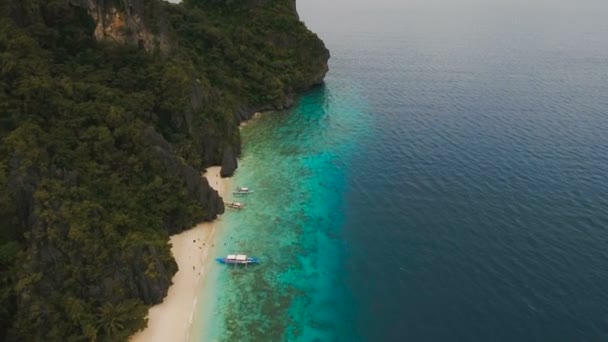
{"points": [[193, 252], [256, 115]]}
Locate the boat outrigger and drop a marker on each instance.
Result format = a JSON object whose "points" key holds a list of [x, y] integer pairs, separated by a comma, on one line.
{"points": [[242, 191], [235, 205], [238, 259]]}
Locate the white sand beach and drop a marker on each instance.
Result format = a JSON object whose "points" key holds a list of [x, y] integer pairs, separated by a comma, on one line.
{"points": [[193, 251]]}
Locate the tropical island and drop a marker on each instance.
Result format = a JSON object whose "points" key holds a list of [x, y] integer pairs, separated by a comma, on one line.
{"points": [[109, 113]]}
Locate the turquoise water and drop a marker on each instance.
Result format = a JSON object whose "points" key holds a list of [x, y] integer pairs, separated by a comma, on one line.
{"points": [[294, 161], [449, 182]]}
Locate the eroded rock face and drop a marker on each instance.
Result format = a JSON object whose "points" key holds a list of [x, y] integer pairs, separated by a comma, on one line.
{"points": [[229, 163], [123, 21], [197, 186], [318, 77]]}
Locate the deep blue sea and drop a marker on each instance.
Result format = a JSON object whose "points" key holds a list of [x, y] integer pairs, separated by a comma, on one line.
{"points": [[448, 183]]}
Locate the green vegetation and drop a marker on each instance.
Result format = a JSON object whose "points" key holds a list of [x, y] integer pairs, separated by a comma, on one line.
{"points": [[99, 142]]}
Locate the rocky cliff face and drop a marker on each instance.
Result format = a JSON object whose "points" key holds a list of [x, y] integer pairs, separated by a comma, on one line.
{"points": [[196, 185], [124, 22]]}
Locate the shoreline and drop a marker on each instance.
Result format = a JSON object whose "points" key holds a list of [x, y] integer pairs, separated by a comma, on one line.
{"points": [[172, 319], [201, 316]]}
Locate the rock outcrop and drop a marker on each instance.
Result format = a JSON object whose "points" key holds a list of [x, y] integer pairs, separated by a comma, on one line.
{"points": [[123, 21], [229, 163], [197, 186]]}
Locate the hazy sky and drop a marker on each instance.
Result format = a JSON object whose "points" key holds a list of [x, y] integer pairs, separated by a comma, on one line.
{"points": [[443, 3], [328, 14], [338, 9]]}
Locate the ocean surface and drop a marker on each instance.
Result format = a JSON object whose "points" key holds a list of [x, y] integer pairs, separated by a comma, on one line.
{"points": [[449, 182]]}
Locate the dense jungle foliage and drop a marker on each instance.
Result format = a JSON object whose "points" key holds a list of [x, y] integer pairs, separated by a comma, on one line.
{"points": [[100, 142]]}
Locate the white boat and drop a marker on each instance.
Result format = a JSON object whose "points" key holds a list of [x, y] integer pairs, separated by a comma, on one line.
{"points": [[242, 191], [238, 259]]}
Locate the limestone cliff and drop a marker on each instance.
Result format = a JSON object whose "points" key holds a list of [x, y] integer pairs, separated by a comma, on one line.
{"points": [[123, 21], [144, 23]]}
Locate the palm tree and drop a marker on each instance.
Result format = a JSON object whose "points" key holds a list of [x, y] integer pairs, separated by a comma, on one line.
{"points": [[112, 318], [117, 319]]}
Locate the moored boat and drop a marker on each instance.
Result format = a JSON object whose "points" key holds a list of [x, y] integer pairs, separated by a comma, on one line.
{"points": [[238, 259], [242, 191], [235, 205]]}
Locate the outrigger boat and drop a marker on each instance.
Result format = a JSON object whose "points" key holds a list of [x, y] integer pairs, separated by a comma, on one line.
{"points": [[238, 259], [242, 191], [235, 205]]}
